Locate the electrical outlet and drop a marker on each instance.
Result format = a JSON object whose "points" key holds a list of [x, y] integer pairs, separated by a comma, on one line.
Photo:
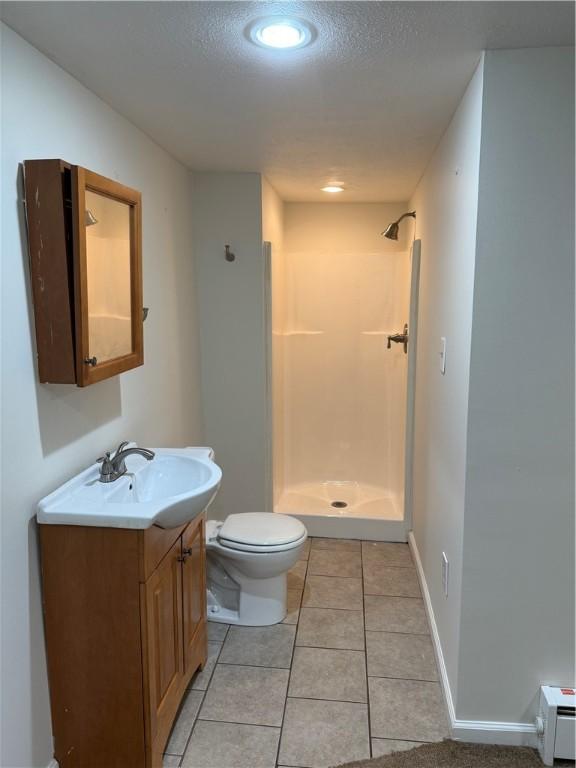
{"points": [[445, 570]]}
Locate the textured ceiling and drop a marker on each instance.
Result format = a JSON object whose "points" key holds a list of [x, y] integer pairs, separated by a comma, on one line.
{"points": [[365, 104]]}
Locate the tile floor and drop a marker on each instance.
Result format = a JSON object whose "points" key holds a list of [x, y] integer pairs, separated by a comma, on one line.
{"points": [[349, 674]]}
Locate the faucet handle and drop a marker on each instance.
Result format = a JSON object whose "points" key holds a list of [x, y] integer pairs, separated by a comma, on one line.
{"points": [[121, 447], [107, 468]]}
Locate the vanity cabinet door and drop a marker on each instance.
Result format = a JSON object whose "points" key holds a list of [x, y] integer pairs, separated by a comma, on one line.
{"points": [[194, 595], [162, 636]]}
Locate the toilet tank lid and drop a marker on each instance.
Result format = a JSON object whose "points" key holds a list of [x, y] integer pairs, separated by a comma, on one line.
{"points": [[264, 528]]}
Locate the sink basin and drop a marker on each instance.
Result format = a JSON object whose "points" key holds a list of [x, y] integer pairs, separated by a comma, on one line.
{"points": [[172, 489]]}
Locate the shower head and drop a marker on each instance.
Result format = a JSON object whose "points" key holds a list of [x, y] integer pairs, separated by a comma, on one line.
{"points": [[391, 231]]}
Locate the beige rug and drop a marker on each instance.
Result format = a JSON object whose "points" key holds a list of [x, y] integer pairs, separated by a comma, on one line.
{"points": [[456, 754]]}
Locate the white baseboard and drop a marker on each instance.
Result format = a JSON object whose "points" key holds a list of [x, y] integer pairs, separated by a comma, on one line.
{"points": [[487, 732], [433, 631], [479, 731]]}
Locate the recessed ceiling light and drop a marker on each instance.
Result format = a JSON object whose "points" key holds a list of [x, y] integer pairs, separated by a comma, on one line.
{"points": [[333, 188], [281, 33]]}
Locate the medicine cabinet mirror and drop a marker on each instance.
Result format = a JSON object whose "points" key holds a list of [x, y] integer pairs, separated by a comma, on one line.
{"points": [[85, 238]]}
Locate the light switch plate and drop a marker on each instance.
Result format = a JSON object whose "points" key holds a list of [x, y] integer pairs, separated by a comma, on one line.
{"points": [[443, 354]]}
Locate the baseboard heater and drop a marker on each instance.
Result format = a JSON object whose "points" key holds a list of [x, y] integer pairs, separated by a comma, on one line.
{"points": [[556, 724]]}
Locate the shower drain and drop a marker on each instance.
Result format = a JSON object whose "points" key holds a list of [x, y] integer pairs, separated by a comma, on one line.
{"points": [[339, 504]]}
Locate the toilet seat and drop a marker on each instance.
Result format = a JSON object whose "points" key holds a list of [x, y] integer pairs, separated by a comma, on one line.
{"points": [[261, 548], [261, 532]]}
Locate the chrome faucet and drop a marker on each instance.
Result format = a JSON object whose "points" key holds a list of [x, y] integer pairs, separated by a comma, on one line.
{"points": [[114, 466]]}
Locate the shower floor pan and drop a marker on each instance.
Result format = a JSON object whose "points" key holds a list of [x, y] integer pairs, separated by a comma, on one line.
{"points": [[345, 509]]}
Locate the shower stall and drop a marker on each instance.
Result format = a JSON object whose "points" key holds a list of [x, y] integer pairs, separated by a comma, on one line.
{"points": [[339, 385]]}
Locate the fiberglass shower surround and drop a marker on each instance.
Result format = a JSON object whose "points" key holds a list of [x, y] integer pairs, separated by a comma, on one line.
{"points": [[342, 391]]}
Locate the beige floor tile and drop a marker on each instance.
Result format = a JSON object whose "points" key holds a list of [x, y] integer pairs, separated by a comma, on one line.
{"points": [[251, 695], [297, 575], [202, 678], [294, 598], [217, 631], [332, 592], [323, 673], [305, 550], [184, 723], [171, 761], [396, 655], [331, 628], [230, 745], [390, 580], [321, 734], [395, 614], [334, 562], [382, 747], [386, 553], [408, 710], [349, 545], [259, 646]]}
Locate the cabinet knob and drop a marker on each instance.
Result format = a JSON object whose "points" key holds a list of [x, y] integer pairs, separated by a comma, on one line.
{"points": [[90, 360]]}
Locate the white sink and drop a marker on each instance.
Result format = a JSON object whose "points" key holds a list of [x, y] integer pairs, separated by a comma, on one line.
{"points": [[172, 489]]}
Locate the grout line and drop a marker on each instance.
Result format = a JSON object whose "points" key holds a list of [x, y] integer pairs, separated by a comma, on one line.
{"points": [[235, 722], [329, 701], [172, 754], [412, 741], [397, 632], [203, 692], [408, 679], [291, 664], [334, 608], [405, 597], [328, 648], [333, 576], [390, 565], [253, 666], [366, 658]]}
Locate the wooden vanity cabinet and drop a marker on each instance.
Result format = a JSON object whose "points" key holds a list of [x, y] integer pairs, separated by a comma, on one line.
{"points": [[125, 621]]}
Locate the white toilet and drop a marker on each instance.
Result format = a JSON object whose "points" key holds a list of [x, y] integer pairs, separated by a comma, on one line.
{"points": [[248, 559]]}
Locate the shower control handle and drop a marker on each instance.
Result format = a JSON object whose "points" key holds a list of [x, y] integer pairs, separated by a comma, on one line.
{"points": [[399, 338]]}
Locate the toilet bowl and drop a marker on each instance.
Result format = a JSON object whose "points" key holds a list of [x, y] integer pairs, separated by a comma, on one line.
{"points": [[248, 559]]}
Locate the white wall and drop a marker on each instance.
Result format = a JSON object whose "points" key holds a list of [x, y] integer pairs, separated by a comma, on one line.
{"points": [[494, 438], [344, 397], [273, 232], [227, 209], [518, 586], [49, 432], [446, 206]]}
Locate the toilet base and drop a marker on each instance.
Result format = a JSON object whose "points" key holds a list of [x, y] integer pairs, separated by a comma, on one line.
{"points": [[262, 602]]}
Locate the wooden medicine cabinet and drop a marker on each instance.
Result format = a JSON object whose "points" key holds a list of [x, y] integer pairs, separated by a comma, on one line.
{"points": [[85, 247]]}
